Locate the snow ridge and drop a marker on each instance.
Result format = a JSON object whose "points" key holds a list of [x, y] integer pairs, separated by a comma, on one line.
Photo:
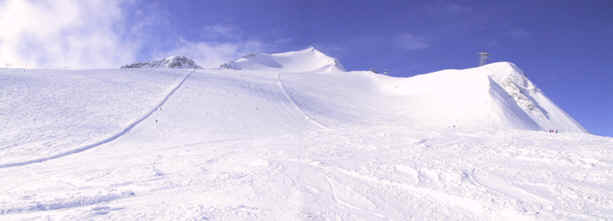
{"points": [[306, 60], [531, 99], [497, 96]]}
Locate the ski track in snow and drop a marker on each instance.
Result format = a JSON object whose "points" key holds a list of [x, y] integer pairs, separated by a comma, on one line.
{"points": [[67, 203], [291, 100], [467, 204], [108, 139]]}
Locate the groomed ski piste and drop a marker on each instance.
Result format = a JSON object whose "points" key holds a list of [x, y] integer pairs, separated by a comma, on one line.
{"points": [[293, 136]]}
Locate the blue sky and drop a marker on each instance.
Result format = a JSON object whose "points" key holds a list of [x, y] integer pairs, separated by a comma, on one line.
{"points": [[564, 47]]}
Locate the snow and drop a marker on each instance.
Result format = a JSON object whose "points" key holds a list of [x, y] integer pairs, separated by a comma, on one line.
{"points": [[294, 142], [48, 112], [306, 60], [497, 95]]}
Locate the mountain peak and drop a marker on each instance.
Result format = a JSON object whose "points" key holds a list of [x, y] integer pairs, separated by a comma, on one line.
{"points": [[498, 95], [313, 49], [309, 59], [178, 62]]}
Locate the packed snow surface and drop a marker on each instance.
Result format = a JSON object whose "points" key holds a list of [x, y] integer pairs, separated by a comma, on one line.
{"points": [[294, 142]]}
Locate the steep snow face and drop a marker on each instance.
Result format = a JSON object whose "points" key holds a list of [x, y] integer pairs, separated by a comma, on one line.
{"points": [[497, 95], [307, 60], [530, 98], [178, 62], [455, 98]]}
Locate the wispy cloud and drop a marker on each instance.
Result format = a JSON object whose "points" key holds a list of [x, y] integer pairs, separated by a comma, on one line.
{"points": [[493, 43], [219, 44], [448, 8], [62, 33], [213, 54], [519, 33], [457, 8], [222, 31], [409, 41]]}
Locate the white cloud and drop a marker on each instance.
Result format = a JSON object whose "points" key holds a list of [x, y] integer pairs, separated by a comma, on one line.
{"points": [[213, 54], [220, 43], [103, 34], [411, 42], [63, 33], [223, 31]]}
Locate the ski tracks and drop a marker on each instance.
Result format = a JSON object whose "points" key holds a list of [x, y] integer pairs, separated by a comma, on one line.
{"points": [[472, 205], [67, 203], [291, 100], [108, 139]]}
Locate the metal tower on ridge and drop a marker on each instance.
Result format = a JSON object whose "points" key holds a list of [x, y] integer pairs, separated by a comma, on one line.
{"points": [[483, 58]]}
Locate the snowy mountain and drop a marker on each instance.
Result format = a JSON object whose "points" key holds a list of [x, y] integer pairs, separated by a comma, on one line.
{"points": [[497, 95], [269, 142], [178, 62], [306, 60]]}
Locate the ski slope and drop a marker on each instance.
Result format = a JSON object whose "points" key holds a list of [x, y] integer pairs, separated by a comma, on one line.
{"points": [[294, 141]]}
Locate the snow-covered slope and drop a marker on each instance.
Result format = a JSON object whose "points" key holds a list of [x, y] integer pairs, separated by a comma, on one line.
{"points": [[279, 144], [496, 95], [306, 60], [178, 62], [49, 112]]}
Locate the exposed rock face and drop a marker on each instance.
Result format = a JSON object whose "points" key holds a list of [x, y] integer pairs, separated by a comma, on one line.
{"points": [[180, 62]]}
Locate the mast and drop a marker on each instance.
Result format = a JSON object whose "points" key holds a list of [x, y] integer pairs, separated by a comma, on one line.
{"points": [[483, 58]]}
